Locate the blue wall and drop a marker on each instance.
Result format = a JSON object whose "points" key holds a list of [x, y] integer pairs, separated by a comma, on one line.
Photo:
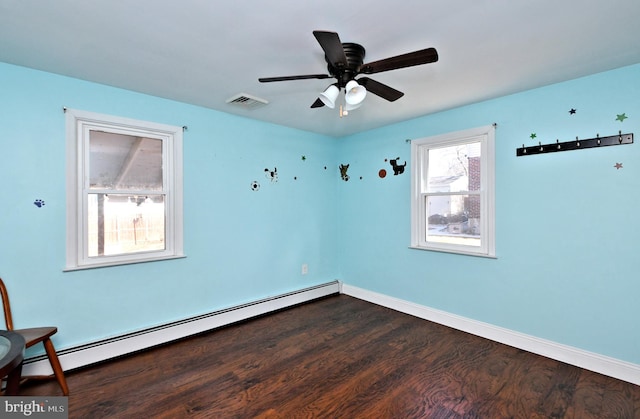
{"points": [[566, 222], [241, 245]]}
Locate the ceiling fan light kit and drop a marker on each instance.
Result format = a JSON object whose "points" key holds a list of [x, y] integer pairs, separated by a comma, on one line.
{"points": [[354, 93], [329, 96], [345, 63]]}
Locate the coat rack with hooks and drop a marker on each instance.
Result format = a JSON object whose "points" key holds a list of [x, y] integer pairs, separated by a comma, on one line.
{"points": [[576, 144]]}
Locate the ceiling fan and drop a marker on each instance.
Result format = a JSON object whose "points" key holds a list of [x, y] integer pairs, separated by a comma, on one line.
{"points": [[345, 63]]}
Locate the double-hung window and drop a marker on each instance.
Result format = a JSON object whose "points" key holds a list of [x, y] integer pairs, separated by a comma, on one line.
{"points": [[453, 182], [124, 190]]}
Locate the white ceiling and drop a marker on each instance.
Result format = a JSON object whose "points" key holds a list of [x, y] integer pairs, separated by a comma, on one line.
{"points": [[204, 51]]}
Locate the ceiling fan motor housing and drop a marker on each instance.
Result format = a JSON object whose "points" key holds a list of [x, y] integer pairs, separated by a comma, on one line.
{"points": [[355, 58]]}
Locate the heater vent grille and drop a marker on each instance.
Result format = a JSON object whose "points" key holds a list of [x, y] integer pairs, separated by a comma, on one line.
{"points": [[247, 101]]}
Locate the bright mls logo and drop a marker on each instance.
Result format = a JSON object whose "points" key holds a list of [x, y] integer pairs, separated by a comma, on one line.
{"points": [[36, 407]]}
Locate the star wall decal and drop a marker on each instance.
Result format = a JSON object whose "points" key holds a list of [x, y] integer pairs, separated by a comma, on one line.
{"points": [[533, 135], [618, 166], [304, 158], [572, 111], [621, 117]]}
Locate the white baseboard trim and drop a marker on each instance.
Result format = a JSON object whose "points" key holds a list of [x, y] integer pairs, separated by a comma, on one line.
{"points": [[601, 364], [94, 352]]}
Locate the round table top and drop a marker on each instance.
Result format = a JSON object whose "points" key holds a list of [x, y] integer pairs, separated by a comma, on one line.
{"points": [[5, 346], [11, 351]]}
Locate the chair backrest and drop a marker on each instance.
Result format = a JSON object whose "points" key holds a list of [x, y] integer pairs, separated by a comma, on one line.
{"points": [[6, 306]]}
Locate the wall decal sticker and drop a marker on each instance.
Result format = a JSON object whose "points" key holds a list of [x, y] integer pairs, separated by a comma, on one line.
{"points": [[343, 172], [255, 186], [382, 173], [304, 158], [272, 174], [533, 135], [38, 203], [618, 166], [398, 169], [572, 111], [621, 117]]}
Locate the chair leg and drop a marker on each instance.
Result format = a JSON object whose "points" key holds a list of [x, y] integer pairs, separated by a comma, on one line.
{"points": [[55, 365]]}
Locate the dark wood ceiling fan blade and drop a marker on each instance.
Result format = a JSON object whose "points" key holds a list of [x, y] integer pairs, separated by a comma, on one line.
{"points": [[286, 78], [332, 46], [424, 56], [382, 90], [317, 104]]}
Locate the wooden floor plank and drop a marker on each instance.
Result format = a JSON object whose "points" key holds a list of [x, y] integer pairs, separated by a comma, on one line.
{"points": [[340, 357]]}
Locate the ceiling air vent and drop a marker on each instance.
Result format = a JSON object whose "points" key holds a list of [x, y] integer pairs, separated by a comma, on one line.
{"points": [[246, 101]]}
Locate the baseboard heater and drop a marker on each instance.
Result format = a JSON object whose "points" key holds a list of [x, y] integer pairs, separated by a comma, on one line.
{"points": [[94, 352]]}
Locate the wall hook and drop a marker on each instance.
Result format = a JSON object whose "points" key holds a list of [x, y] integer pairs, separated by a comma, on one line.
{"points": [[577, 144]]}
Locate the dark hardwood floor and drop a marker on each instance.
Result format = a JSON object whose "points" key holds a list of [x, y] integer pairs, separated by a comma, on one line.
{"points": [[340, 357]]}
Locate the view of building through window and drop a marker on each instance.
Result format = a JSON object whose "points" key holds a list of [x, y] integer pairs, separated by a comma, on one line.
{"points": [[453, 194], [125, 208]]}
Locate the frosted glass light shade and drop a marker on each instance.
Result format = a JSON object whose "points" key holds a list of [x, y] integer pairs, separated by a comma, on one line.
{"points": [[355, 93], [329, 96]]}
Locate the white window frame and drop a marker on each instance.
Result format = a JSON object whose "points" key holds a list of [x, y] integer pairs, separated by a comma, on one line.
{"points": [[419, 165], [78, 125]]}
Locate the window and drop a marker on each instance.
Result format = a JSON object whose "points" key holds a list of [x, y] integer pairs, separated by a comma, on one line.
{"points": [[124, 190], [452, 207]]}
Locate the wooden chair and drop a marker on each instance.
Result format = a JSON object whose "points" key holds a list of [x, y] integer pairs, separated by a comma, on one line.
{"points": [[36, 335]]}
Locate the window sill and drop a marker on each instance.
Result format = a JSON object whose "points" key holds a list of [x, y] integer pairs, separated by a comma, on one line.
{"points": [[120, 263], [455, 252]]}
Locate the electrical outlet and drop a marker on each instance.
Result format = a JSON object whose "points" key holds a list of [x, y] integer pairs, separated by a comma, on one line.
{"points": [[305, 269]]}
